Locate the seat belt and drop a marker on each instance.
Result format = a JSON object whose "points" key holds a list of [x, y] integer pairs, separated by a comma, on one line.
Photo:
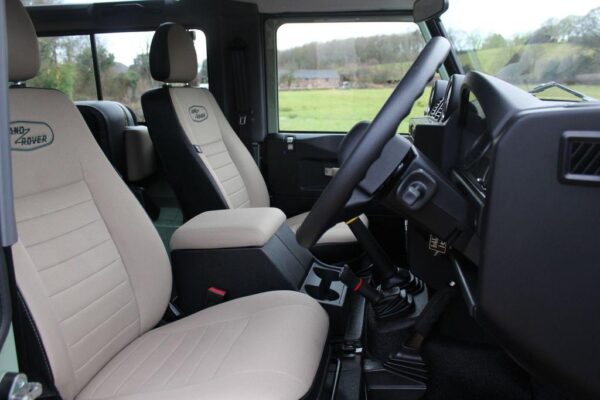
{"points": [[244, 112]]}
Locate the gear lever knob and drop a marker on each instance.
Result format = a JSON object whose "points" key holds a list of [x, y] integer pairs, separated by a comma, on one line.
{"points": [[359, 285]]}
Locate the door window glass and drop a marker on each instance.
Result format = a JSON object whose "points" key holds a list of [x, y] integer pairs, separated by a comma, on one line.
{"points": [[332, 75]]}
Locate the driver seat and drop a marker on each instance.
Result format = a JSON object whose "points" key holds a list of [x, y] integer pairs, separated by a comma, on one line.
{"points": [[206, 163], [94, 278]]}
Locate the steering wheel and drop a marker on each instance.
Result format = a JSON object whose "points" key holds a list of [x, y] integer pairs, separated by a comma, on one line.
{"points": [[367, 147]]}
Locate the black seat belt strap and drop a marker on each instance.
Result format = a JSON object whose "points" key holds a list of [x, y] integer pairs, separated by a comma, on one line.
{"points": [[31, 355], [244, 112]]}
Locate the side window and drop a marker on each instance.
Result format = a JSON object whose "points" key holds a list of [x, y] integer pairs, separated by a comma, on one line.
{"points": [[66, 65], [123, 60], [332, 75]]}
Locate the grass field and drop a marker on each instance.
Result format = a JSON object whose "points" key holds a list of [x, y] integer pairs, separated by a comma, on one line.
{"points": [[589, 90], [335, 110], [338, 110]]}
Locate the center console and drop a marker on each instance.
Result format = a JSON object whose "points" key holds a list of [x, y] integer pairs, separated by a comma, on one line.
{"points": [[225, 254], [235, 253]]}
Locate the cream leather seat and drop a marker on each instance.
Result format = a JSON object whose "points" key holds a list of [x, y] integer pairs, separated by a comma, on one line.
{"points": [[205, 162], [96, 279]]}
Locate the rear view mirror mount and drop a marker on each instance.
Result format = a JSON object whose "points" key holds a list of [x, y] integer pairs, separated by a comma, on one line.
{"points": [[424, 10]]}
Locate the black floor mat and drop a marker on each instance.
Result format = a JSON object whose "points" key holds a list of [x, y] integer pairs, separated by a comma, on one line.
{"points": [[462, 371], [472, 372]]}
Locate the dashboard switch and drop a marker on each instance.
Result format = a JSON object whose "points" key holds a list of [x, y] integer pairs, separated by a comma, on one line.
{"points": [[413, 193], [416, 189]]}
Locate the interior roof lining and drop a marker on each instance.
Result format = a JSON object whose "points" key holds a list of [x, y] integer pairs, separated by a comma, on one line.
{"points": [[276, 6], [79, 19], [309, 6]]}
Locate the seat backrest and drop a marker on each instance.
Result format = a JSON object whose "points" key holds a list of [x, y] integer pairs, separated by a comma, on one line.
{"points": [[107, 121], [126, 144], [89, 265], [206, 163]]}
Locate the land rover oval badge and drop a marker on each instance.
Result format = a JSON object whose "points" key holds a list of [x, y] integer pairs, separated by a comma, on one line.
{"points": [[198, 113], [28, 135]]}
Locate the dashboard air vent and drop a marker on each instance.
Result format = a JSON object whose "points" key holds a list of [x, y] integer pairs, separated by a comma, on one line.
{"points": [[581, 157]]}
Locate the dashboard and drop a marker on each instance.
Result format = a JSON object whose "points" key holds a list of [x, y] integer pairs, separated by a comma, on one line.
{"points": [[530, 171]]}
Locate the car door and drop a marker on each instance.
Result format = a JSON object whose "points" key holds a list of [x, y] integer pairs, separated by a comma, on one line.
{"points": [[299, 166]]}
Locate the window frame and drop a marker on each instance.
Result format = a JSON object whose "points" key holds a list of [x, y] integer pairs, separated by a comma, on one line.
{"points": [[272, 25], [95, 62], [92, 49]]}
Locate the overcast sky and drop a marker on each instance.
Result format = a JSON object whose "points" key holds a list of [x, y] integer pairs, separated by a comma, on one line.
{"points": [[125, 46], [507, 17]]}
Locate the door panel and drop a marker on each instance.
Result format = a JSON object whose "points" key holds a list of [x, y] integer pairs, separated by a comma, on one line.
{"points": [[297, 177], [296, 172]]}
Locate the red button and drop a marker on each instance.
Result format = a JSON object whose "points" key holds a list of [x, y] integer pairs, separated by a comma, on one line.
{"points": [[217, 291]]}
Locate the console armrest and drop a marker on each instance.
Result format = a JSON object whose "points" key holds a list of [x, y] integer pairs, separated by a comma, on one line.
{"points": [[231, 228]]}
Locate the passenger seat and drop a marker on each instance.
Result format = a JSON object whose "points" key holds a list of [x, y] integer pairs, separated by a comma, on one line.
{"points": [[206, 163], [95, 279]]}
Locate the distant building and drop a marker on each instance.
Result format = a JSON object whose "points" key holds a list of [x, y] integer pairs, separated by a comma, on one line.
{"points": [[309, 79]]}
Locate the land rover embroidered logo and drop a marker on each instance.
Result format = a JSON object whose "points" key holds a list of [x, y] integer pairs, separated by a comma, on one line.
{"points": [[198, 113], [28, 135]]}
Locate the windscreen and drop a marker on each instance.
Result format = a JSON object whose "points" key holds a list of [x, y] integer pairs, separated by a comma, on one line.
{"points": [[549, 46]]}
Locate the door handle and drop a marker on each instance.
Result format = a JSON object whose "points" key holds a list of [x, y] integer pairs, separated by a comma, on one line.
{"points": [[330, 171], [289, 142]]}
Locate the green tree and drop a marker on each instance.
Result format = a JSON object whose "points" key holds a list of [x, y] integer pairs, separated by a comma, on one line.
{"points": [[494, 41], [85, 87], [141, 65], [66, 65], [474, 40], [57, 69], [203, 75]]}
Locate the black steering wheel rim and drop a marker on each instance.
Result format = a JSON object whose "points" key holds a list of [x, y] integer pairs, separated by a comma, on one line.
{"points": [[369, 147]]}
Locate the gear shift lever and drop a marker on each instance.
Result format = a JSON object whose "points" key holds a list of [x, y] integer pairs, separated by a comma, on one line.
{"points": [[384, 271], [391, 303]]}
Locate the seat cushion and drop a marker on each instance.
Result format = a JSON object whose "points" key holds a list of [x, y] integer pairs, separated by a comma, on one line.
{"points": [[266, 346], [339, 233]]}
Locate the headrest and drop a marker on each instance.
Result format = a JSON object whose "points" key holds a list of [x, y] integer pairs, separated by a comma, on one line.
{"points": [[23, 52], [172, 55]]}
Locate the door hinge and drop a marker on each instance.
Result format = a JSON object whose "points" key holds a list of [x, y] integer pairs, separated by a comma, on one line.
{"points": [[16, 386]]}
